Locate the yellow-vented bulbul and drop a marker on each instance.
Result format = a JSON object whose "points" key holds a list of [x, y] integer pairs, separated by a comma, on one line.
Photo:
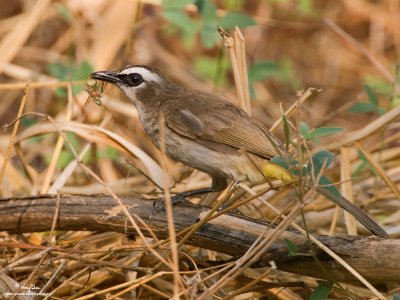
{"points": [[210, 134]]}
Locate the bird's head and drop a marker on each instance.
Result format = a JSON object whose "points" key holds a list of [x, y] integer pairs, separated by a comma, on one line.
{"points": [[133, 79]]}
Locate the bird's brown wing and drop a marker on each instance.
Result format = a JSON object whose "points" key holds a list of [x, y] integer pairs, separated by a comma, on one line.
{"points": [[216, 123]]}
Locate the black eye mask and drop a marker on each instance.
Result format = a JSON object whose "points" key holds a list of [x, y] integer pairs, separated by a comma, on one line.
{"points": [[133, 79]]}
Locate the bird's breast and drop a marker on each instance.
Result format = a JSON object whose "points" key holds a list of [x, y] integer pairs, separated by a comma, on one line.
{"points": [[150, 120]]}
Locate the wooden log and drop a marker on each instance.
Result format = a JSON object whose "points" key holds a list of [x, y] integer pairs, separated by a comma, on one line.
{"points": [[375, 258]]}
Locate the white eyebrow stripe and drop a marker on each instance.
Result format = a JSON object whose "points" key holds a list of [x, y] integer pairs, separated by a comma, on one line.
{"points": [[146, 74]]}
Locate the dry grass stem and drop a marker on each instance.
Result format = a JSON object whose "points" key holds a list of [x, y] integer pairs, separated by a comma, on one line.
{"points": [[57, 148], [334, 220], [235, 46], [127, 213], [372, 127], [13, 135], [13, 41], [304, 96], [37, 85], [240, 54], [361, 49], [170, 217], [332, 254], [347, 188], [379, 169], [53, 226], [203, 220]]}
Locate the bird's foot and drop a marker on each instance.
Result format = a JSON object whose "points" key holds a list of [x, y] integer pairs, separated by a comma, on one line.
{"points": [[232, 211], [159, 204]]}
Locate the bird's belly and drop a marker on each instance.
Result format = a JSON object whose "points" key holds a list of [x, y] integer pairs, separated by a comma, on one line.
{"points": [[234, 164]]}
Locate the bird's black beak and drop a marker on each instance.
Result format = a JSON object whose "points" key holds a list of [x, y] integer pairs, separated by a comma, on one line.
{"points": [[107, 76]]}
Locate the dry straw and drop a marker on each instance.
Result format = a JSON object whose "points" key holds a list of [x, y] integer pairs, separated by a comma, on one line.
{"points": [[85, 265]]}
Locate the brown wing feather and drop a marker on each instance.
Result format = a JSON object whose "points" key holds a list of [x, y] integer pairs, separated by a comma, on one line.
{"points": [[217, 123]]}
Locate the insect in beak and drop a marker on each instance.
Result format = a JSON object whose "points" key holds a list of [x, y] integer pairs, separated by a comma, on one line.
{"points": [[95, 89]]}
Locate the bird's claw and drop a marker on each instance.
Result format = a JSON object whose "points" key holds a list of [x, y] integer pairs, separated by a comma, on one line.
{"points": [[161, 206]]}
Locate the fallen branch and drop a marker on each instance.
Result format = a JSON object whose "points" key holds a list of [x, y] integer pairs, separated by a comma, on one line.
{"points": [[375, 258]]}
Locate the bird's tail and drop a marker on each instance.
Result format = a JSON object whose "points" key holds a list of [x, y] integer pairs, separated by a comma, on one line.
{"points": [[275, 171], [360, 215]]}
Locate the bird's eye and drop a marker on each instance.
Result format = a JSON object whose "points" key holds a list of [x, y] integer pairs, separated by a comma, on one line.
{"points": [[135, 79]]}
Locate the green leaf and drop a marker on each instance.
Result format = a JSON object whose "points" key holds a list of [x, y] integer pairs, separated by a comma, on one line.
{"points": [[64, 12], [234, 4], [318, 160], [211, 67], [291, 246], [88, 157], [280, 162], [178, 18], [209, 34], [396, 296], [175, 4], [205, 66], [59, 70], [365, 160], [281, 71], [359, 169], [305, 6], [381, 111], [83, 70], [186, 26], [68, 71], [73, 140], [314, 134], [61, 93], [323, 131], [371, 95], [80, 73], [294, 167], [28, 122], [233, 19], [395, 101], [64, 159], [322, 291], [324, 181], [286, 130], [109, 152], [378, 85], [252, 90], [208, 10], [261, 70], [304, 129], [287, 73], [66, 156], [362, 107], [38, 139]]}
